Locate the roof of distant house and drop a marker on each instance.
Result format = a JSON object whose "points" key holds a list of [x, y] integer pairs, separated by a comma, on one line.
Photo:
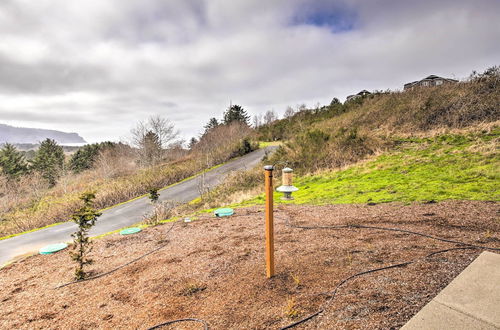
{"points": [[432, 77]]}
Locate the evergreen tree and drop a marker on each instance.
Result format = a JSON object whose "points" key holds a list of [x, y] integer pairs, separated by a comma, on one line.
{"points": [[151, 148], [85, 157], [212, 123], [335, 101], [192, 143], [153, 195], [49, 161], [85, 217], [236, 113], [12, 162]]}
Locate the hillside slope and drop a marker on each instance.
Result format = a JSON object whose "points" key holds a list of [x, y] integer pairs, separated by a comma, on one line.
{"points": [[428, 144]]}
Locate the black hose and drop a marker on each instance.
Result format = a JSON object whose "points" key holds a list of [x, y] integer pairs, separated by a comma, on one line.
{"points": [[334, 292], [403, 264], [205, 324], [427, 236], [289, 224], [121, 266]]}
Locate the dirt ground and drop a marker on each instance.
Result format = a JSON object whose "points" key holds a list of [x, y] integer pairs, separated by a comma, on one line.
{"points": [[214, 269]]}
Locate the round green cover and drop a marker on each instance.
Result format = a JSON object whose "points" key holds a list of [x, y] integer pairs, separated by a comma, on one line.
{"points": [[224, 212], [53, 248], [128, 231]]}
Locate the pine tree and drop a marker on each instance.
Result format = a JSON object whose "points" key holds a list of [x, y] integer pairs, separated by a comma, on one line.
{"points": [[85, 217], [212, 123], [153, 195], [192, 143], [236, 113], [12, 162], [151, 148], [49, 161], [85, 157], [335, 101]]}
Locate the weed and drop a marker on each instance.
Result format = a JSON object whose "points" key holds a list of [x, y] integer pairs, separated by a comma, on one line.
{"points": [[161, 211], [191, 288], [348, 259], [296, 280], [291, 310], [487, 234]]}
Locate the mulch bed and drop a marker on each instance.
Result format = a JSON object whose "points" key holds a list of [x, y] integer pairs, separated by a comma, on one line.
{"points": [[214, 269]]}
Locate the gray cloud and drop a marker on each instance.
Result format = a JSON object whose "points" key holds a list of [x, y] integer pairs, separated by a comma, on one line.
{"points": [[99, 67]]}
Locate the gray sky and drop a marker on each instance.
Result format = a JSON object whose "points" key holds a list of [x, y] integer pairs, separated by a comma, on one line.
{"points": [[97, 67]]}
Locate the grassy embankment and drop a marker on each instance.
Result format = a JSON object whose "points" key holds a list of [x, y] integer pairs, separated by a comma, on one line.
{"points": [[428, 144], [445, 167]]}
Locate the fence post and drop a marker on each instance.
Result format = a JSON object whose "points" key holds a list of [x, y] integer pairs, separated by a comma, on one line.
{"points": [[268, 172]]}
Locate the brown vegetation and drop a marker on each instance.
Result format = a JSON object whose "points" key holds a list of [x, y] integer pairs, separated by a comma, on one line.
{"points": [[117, 176], [341, 134], [213, 269]]}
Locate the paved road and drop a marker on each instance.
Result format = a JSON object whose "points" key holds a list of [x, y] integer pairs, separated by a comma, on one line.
{"points": [[125, 214]]}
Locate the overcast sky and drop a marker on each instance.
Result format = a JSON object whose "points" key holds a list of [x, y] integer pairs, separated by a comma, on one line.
{"points": [[96, 67]]}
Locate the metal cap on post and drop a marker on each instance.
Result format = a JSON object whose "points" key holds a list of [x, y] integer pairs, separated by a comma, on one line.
{"points": [[268, 172], [287, 188]]}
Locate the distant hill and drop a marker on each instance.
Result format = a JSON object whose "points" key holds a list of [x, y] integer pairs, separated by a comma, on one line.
{"points": [[13, 134]]}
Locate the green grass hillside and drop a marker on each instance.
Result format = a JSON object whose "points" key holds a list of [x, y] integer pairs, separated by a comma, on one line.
{"points": [[426, 144], [444, 167], [460, 167]]}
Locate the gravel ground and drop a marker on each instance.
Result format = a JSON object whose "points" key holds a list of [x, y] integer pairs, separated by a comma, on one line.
{"points": [[213, 269]]}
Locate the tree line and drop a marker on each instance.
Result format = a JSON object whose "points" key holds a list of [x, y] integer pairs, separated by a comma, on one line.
{"points": [[151, 142], [49, 160]]}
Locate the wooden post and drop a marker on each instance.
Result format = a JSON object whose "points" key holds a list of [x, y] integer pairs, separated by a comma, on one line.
{"points": [[268, 172]]}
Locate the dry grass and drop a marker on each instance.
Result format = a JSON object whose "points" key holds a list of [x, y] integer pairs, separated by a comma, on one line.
{"points": [[161, 211], [368, 126], [31, 204], [117, 177]]}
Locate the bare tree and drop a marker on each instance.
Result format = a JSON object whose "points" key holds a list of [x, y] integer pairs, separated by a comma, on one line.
{"points": [[269, 117], [116, 161], [152, 138], [217, 145], [257, 121], [289, 112]]}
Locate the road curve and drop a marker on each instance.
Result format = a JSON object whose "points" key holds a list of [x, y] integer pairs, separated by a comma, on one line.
{"points": [[125, 214]]}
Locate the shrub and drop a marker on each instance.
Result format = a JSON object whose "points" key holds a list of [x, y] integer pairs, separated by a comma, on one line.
{"points": [[85, 157], [85, 217], [153, 194], [12, 162], [244, 147], [49, 161], [161, 211]]}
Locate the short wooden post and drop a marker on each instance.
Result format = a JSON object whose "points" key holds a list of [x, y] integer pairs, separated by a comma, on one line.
{"points": [[268, 172]]}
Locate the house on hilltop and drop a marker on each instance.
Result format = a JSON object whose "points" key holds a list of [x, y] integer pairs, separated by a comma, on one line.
{"points": [[364, 92], [431, 80]]}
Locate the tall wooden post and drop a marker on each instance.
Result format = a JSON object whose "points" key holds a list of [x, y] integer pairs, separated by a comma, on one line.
{"points": [[268, 172]]}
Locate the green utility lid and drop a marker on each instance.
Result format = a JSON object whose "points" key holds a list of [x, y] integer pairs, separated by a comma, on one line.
{"points": [[225, 212], [53, 248], [128, 231]]}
